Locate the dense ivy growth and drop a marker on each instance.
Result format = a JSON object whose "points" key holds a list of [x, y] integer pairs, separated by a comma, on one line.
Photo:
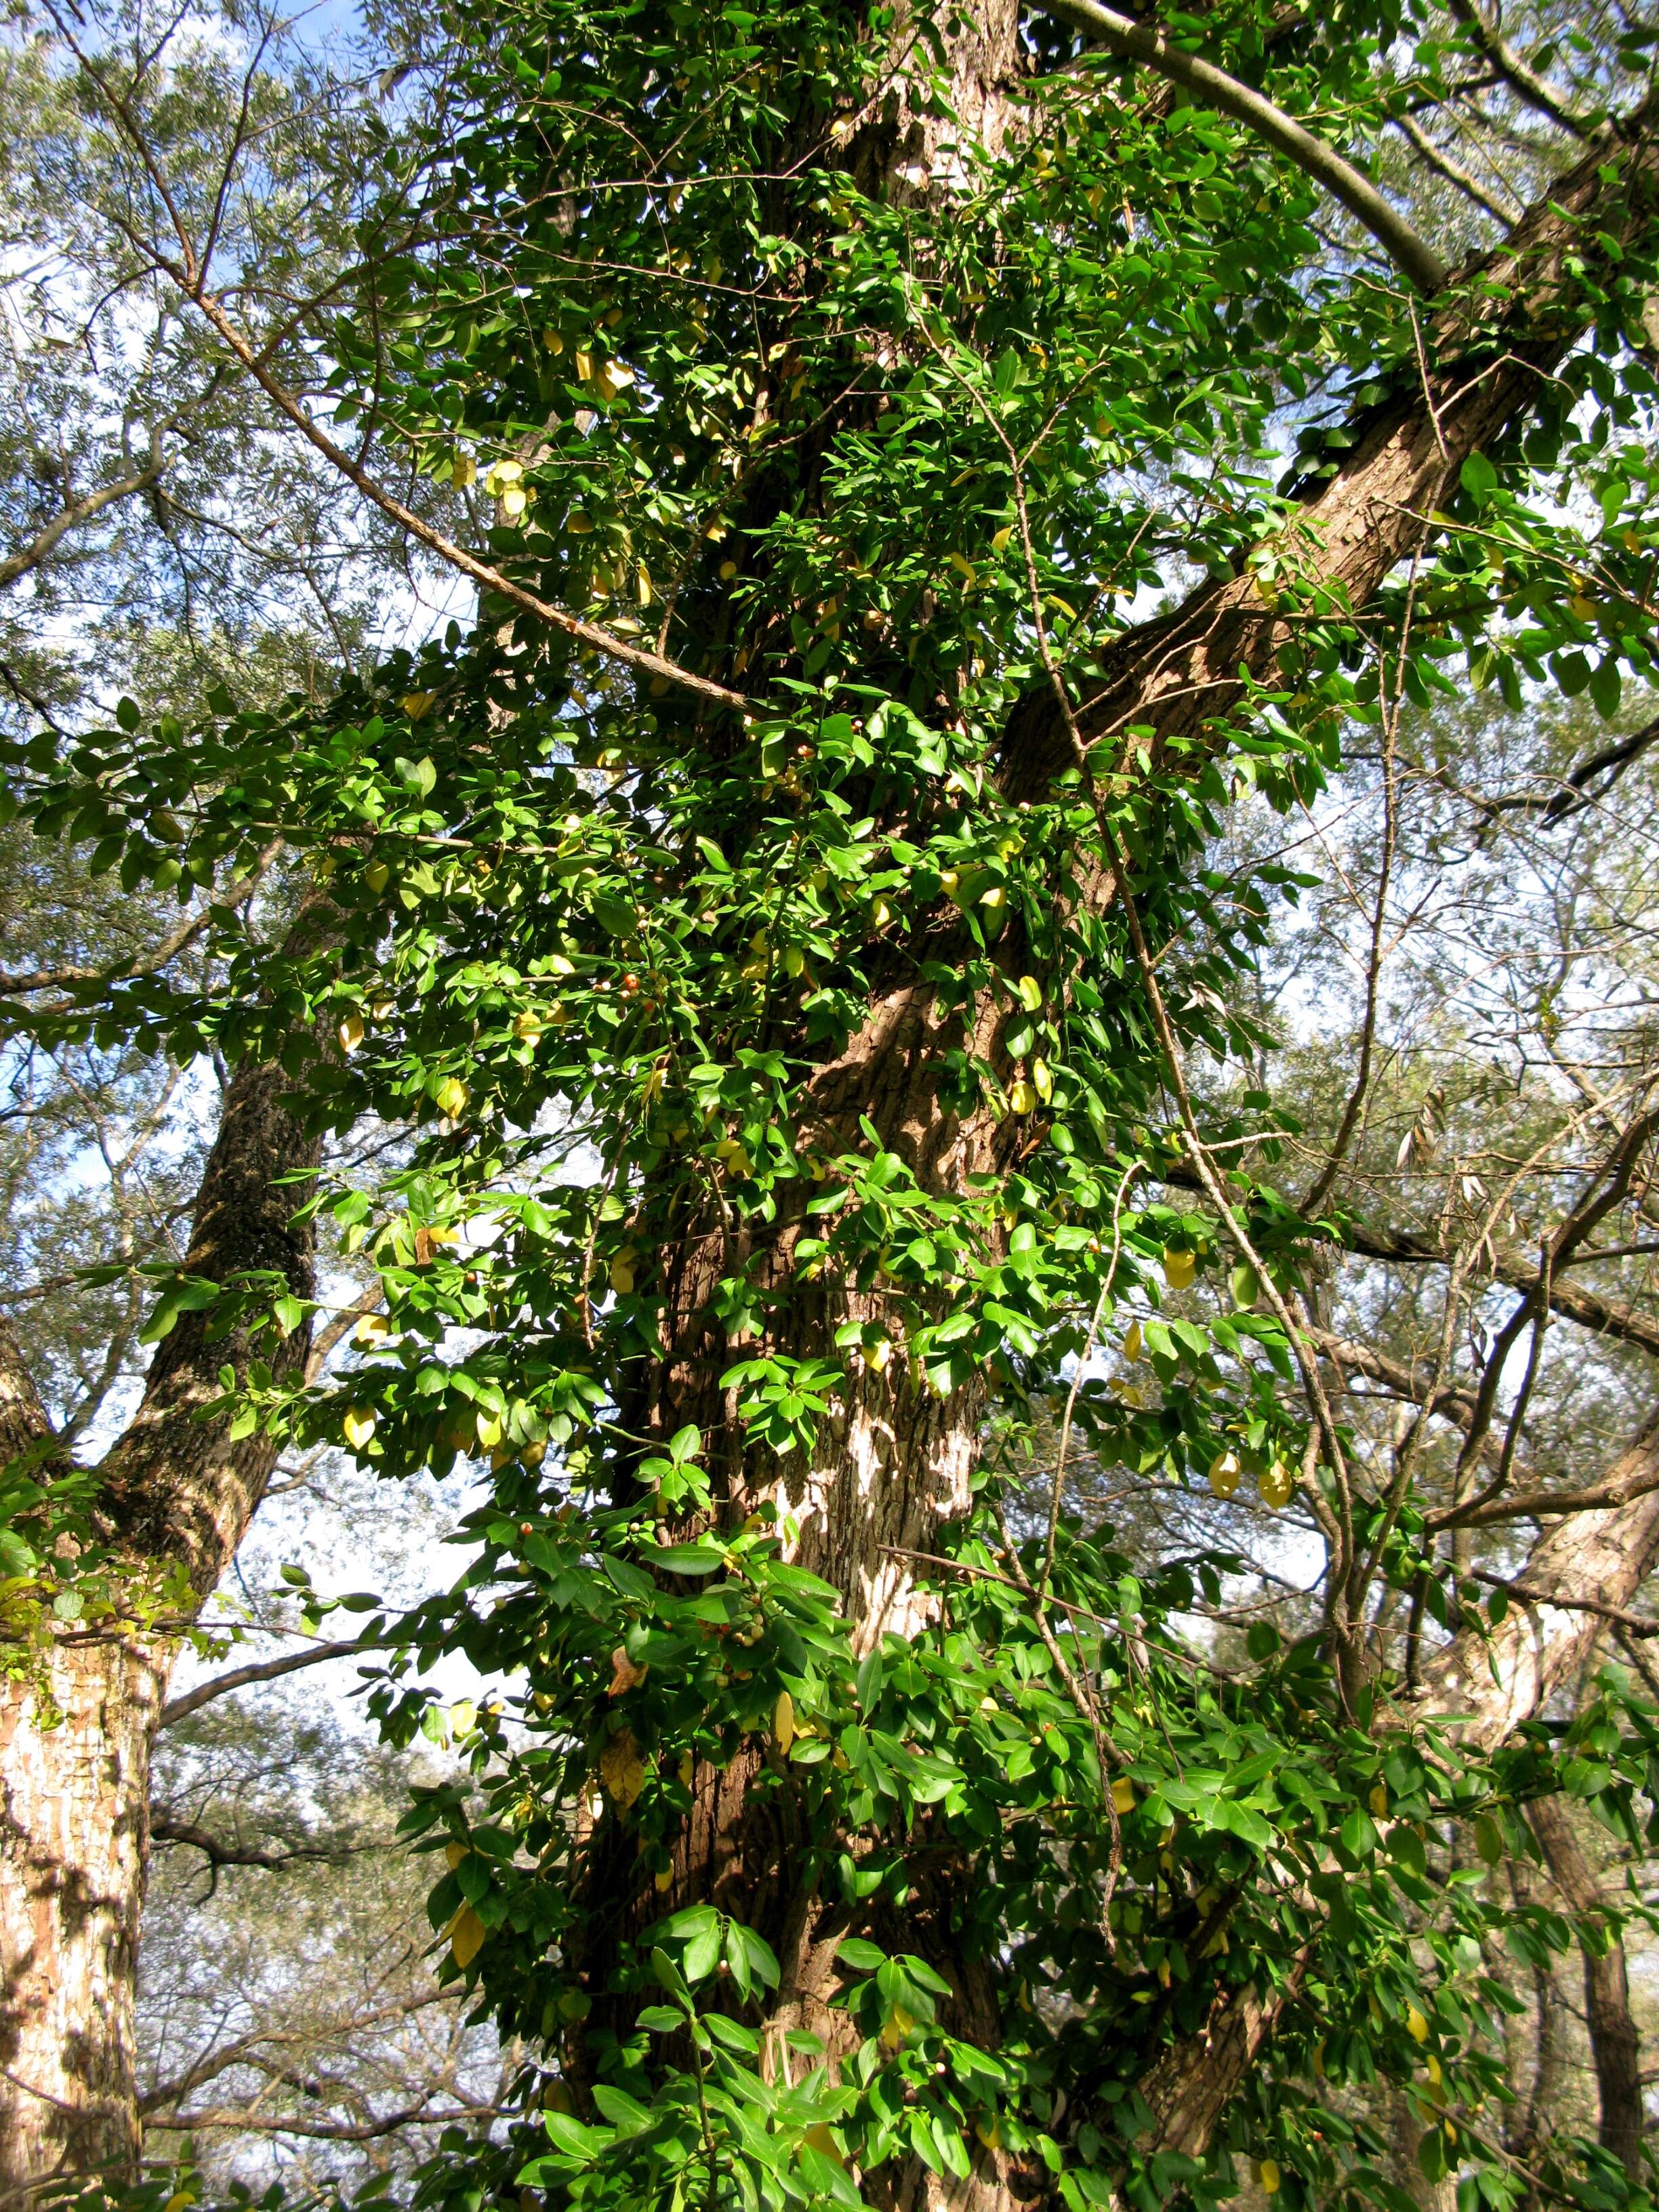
{"points": [[728, 339]]}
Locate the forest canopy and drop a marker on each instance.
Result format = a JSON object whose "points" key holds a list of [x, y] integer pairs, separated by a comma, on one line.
{"points": [[827, 875]]}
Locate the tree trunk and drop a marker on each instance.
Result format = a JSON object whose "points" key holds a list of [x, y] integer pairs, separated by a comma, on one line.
{"points": [[1406, 2129], [1614, 2046], [75, 1752], [78, 1722], [892, 1463]]}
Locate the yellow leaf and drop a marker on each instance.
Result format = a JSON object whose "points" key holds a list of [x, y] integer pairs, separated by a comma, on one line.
{"points": [[1276, 1485], [452, 1095], [1224, 1472], [664, 1878], [1416, 2026], [1268, 2175], [1022, 1099], [1042, 1081], [642, 588], [1432, 2068], [1178, 1267], [373, 1328], [621, 1770], [783, 1722], [377, 876], [1378, 1800], [466, 1934], [1123, 1793], [359, 1426], [999, 541], [820, 2139], [584, 364], [414, 704], [514, 500], [489, 1427], [463, 470], [351, 1033], [622, 1276], [995, 898], [1132, 1342], [1030, 994], [528, 1024], [453, 1854]]}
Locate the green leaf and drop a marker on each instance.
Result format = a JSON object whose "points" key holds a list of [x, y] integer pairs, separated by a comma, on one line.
{"points": [[1606, 688], [1477, 478], [864, 1958]]}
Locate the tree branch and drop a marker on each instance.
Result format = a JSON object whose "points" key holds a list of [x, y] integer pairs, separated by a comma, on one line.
{"points": [[1140, 42], [266, 1670], [492, 579], [79, 511], [1455, 174], [1616, 2047], [1514, 71], [1617, 756], [144, 964], [164, 1828], [247, 2049], [420, 2115]]}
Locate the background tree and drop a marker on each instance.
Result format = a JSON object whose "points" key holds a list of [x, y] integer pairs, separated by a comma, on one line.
{"points": [[160, 538]]}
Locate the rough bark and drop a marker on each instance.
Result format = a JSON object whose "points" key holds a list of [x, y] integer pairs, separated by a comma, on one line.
{"points": [[1405, 2128], [1491, 1683], [77, 1723], [1614, 2045], [75, 1742]]}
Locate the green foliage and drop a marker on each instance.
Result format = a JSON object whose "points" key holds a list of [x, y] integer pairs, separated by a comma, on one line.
{"points": [[893, 463]]}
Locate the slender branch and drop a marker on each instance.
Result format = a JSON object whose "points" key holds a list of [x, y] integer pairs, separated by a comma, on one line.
{"points": [[266, 1670], [1632, 1624], [1374, 958], [165, 1829], [492, 579], [145, 963], [247, 2049], [1510, 66], [1464, 181], [413, 2116]]}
